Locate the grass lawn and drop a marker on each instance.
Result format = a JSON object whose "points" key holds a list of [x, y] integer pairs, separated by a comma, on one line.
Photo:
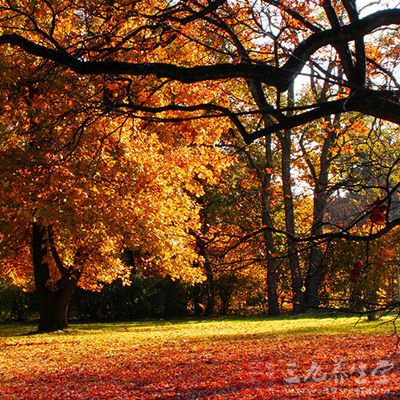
{"points": [[308, 357]]}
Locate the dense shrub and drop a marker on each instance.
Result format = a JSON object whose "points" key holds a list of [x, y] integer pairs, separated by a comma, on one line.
{"points": [[144, 298], [15, 304]]}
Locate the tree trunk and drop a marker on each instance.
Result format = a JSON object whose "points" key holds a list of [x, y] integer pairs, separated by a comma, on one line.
{"points": [[209, 284], [272, 288], [293, 254], [320, 176], [54, 298], [355, 301], [210, 289], [207, 265], [197, 304], [314, 278], [271, 261], [314, 272], [54, 308], [265, 176]]}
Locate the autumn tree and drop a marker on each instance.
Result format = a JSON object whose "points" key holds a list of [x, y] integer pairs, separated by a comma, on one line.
{"points": [[236, 268], [79, 187]]}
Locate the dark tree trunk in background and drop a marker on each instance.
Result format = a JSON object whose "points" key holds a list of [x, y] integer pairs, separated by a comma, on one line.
{"points": [[205, 290], [272, 288], [315, 273], [293, 254], [315, 263], [313, 278], [197, 304], [208, 285], [210, 289], [271, 262]]}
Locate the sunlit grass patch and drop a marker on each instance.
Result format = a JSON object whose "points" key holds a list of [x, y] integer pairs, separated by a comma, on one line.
{"points": [[313, 323]]}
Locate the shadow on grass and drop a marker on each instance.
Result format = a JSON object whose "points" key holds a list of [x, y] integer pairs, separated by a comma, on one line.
{"points": [[222, 327], [16, 328]]}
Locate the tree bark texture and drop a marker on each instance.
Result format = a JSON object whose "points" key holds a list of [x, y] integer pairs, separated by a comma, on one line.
{"points": [[54, 297]]}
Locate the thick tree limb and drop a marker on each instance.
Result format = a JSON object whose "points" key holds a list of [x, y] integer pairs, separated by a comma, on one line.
{"points": [[60, 265], [212, 6], [294, 15], [342, 34], [276, 77], [342, 48], [379, 104], [315, 239], [222, 111], [263, 73]]}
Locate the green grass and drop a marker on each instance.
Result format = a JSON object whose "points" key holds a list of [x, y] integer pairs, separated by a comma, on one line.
{"points": [[307, 324]]}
